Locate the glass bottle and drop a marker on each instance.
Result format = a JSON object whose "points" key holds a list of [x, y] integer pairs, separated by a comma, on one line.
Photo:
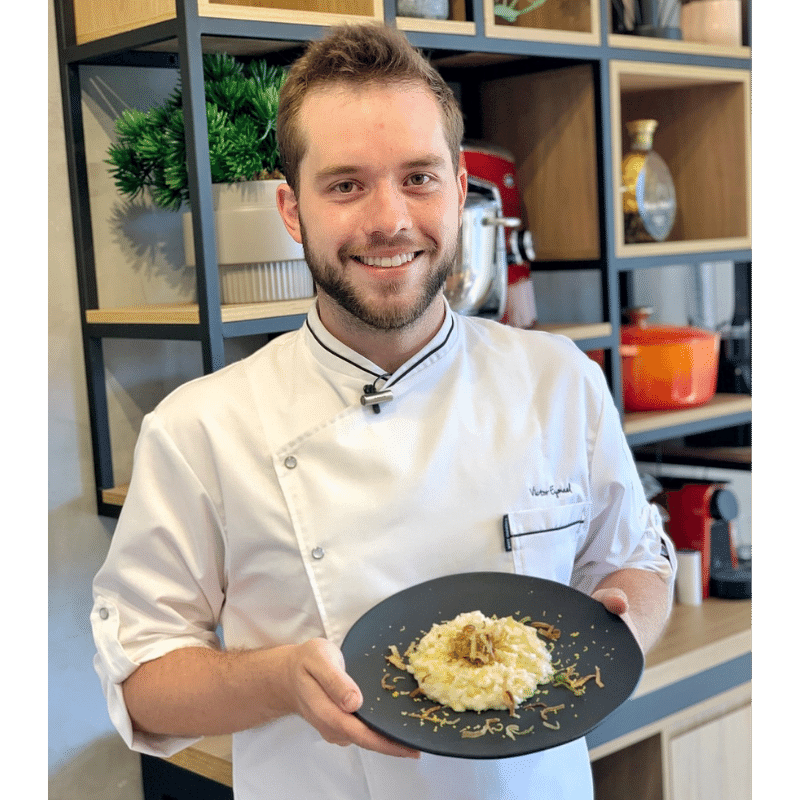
{"points": [[648, 200]]}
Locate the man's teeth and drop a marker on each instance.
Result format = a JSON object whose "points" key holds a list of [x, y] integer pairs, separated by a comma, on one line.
{"points": [[394, 261]]}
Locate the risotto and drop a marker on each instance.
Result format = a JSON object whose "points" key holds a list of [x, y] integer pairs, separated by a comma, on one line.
{"points": [[477, 663]]}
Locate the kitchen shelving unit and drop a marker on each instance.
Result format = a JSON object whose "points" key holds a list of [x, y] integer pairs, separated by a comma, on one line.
{"points": [[555, 88]]}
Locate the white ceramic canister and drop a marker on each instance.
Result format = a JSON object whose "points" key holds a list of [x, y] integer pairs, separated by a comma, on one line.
{"points": [[689, 578], [426, 9]]}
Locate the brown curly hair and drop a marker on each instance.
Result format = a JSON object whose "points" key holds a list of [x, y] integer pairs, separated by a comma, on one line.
{"points": [[358, 54]]}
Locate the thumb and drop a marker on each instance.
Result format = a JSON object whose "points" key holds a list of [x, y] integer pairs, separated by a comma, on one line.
{"points": [[338, 685]]}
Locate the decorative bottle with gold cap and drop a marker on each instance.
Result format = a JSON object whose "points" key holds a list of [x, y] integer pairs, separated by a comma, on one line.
{"points": [[648, 199]]}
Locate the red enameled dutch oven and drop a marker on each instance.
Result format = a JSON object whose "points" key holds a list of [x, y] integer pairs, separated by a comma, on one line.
{"points": [[666, 367]]}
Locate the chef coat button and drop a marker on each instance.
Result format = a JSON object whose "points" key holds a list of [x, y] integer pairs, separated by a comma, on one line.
{"points": [[103, 613], [318, 553], [290, 462]]}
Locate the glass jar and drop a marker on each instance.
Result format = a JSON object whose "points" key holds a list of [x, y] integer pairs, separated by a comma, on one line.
{"points": [[648, 199]]}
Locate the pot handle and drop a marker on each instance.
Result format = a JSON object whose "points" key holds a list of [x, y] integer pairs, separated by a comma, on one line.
{"points": [[639, 315]]}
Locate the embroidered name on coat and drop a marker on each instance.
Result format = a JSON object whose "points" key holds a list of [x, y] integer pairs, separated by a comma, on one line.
{"points": [[552, 491]]}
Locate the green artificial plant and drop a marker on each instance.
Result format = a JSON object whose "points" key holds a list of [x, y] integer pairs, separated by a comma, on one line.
{"points": [[241, 109]]}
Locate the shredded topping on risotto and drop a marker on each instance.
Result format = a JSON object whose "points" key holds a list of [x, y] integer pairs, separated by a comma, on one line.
{"points": [[476, 663]]}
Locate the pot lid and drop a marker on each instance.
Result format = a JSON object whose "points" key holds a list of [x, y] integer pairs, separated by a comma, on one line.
{"points": [[639, 332]]}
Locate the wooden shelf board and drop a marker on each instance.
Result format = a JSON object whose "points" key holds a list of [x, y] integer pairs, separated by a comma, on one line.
{"points": [[578, 331], [671, 46], [681, 248], [189, 313], [116, 495], [211, 757], [722, 457], [719, 406], [444, 26]]}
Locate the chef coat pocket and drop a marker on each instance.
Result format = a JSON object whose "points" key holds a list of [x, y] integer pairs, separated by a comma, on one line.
{"points": [[544, 541]]}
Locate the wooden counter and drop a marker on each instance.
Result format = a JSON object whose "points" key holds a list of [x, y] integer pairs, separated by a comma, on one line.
{"points": [[697, 638]]}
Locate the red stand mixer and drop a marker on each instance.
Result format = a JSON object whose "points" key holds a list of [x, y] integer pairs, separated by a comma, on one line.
{"points": [[495, 165]]}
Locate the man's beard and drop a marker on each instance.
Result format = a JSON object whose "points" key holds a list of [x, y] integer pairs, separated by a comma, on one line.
{"points": [[333, 282]]}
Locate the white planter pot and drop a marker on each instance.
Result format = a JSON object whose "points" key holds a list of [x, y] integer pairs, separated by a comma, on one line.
{"points": [[258, 260]]}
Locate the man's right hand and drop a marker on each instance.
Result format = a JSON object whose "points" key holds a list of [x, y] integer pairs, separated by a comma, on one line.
{"points": [[197, 691], [327, 697]]}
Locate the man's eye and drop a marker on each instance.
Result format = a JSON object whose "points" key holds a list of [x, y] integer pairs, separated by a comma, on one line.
{"points": [[345, 187], [419, 180]]}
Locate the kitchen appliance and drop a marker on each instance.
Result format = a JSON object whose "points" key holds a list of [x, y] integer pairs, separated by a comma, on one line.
{"points": [[700, 516], [496, 165], [665, 367], [477, 283]]}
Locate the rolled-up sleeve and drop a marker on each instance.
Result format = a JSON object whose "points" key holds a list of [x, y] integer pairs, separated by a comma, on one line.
{"points": [[626, 531], [161, 586]]}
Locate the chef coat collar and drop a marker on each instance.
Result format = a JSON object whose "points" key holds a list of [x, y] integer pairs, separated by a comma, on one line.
{"points": [[338, 356]]}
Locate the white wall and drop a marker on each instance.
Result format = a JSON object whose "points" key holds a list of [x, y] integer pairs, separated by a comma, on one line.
{"points": [[139, 256]]}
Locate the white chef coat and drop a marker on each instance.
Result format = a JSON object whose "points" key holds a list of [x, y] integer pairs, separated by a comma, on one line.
{"points": [[267, 501]]}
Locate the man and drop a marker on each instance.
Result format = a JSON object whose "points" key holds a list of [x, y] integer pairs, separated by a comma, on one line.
{"points": [[271, 500]]}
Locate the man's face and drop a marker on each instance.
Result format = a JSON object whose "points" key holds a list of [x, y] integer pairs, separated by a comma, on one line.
{"points": [[379, 201]]}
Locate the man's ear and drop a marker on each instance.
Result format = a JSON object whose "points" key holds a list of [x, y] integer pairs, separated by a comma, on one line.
{"points": [[287, 208], [461, 178]]}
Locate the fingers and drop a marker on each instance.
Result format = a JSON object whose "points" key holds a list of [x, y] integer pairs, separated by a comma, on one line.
{"points": [[327, 697], [362, 736]]}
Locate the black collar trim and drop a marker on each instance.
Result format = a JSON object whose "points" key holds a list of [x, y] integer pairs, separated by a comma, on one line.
{"points": [[391, 379]]}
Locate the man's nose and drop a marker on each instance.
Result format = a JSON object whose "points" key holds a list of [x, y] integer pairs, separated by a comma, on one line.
{"points": [[389, 211]]}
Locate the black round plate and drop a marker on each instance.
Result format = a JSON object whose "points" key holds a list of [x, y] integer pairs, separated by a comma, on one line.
{"points": [[590, 637]]}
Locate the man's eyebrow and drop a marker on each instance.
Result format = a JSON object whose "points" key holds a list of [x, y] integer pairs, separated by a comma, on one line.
{"points": [[336, 170], [427, 162], [342, 170]]}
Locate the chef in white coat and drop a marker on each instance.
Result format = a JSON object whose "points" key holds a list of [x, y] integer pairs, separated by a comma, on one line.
{"points": [[273, 502]]}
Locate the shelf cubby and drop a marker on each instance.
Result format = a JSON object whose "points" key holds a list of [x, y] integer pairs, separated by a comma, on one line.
{"points": [[704, 136], [547, 120], [458, 22], [633, 41], [555, 21], [96, 20]]}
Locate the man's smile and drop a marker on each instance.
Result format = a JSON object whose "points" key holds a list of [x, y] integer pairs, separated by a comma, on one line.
{"points": [[387, 261]]}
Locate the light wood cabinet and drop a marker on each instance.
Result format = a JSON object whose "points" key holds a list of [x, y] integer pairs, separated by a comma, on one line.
{"points": [[712, 761], [702, 753]]}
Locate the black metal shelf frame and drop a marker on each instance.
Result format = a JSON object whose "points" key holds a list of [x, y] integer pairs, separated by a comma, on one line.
{"points": [[188, 31]]}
